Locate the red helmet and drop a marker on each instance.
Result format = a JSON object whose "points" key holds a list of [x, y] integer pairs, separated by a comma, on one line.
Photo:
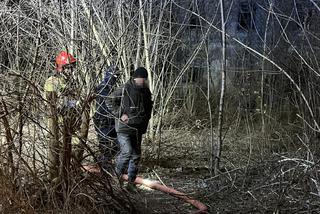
{"points": [[63, 59]]}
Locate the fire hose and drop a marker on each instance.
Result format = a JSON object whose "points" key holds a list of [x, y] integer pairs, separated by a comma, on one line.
{"points": [[157, 186]]}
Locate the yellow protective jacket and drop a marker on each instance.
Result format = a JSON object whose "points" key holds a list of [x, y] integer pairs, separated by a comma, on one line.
{"points": [[56, 84], [62, 105], [61, 93], [53, 89]]}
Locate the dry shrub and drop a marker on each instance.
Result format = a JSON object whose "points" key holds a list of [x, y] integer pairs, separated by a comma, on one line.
{"points": [[277, 184], [11, 201]]}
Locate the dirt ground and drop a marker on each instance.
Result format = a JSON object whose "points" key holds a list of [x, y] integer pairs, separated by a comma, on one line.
{"points": [[249, 182], [254, 178]]}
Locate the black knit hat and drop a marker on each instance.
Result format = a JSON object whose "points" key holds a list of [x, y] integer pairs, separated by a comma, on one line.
{"points": [[140, 72]]}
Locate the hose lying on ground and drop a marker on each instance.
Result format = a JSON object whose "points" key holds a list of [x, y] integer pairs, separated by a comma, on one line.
{"points": [[157, 186]]}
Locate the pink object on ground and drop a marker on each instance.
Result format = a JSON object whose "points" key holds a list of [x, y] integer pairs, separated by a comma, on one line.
{"points": [[157, 186]]}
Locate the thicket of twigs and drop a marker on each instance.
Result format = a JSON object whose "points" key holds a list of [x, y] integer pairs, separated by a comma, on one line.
{"points": [[272, 97]]}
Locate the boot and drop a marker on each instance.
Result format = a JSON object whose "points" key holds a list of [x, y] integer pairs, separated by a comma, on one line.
{"points": [[131, 187]]}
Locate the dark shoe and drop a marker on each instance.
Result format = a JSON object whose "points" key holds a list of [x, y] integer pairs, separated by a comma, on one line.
{"points": [[131, 187]]}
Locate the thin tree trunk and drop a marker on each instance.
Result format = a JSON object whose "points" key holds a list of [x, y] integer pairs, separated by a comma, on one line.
{"points": [[262, 72], [19, 97], [96, 34], [147, 61], [72, 31], [122, 54], [137, 61], [9, 139], [146, 46], [210, 113], [222, 93]]}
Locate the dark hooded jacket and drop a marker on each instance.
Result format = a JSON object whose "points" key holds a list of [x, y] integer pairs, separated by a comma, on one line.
{"points": [[103, 113], [135, 101]]}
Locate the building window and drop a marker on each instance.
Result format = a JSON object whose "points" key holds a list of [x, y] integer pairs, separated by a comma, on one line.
{"points": [[246, 16]]}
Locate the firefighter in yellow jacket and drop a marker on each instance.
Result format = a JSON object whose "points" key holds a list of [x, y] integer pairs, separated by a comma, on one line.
{"points": [[64, 115]]}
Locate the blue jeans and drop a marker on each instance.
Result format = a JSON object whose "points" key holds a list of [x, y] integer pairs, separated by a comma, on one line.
{"points": [[129, 155]]}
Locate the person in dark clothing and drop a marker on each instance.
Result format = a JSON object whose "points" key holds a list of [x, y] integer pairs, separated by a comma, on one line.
{"points": [[104, 120], [132, 106]]}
